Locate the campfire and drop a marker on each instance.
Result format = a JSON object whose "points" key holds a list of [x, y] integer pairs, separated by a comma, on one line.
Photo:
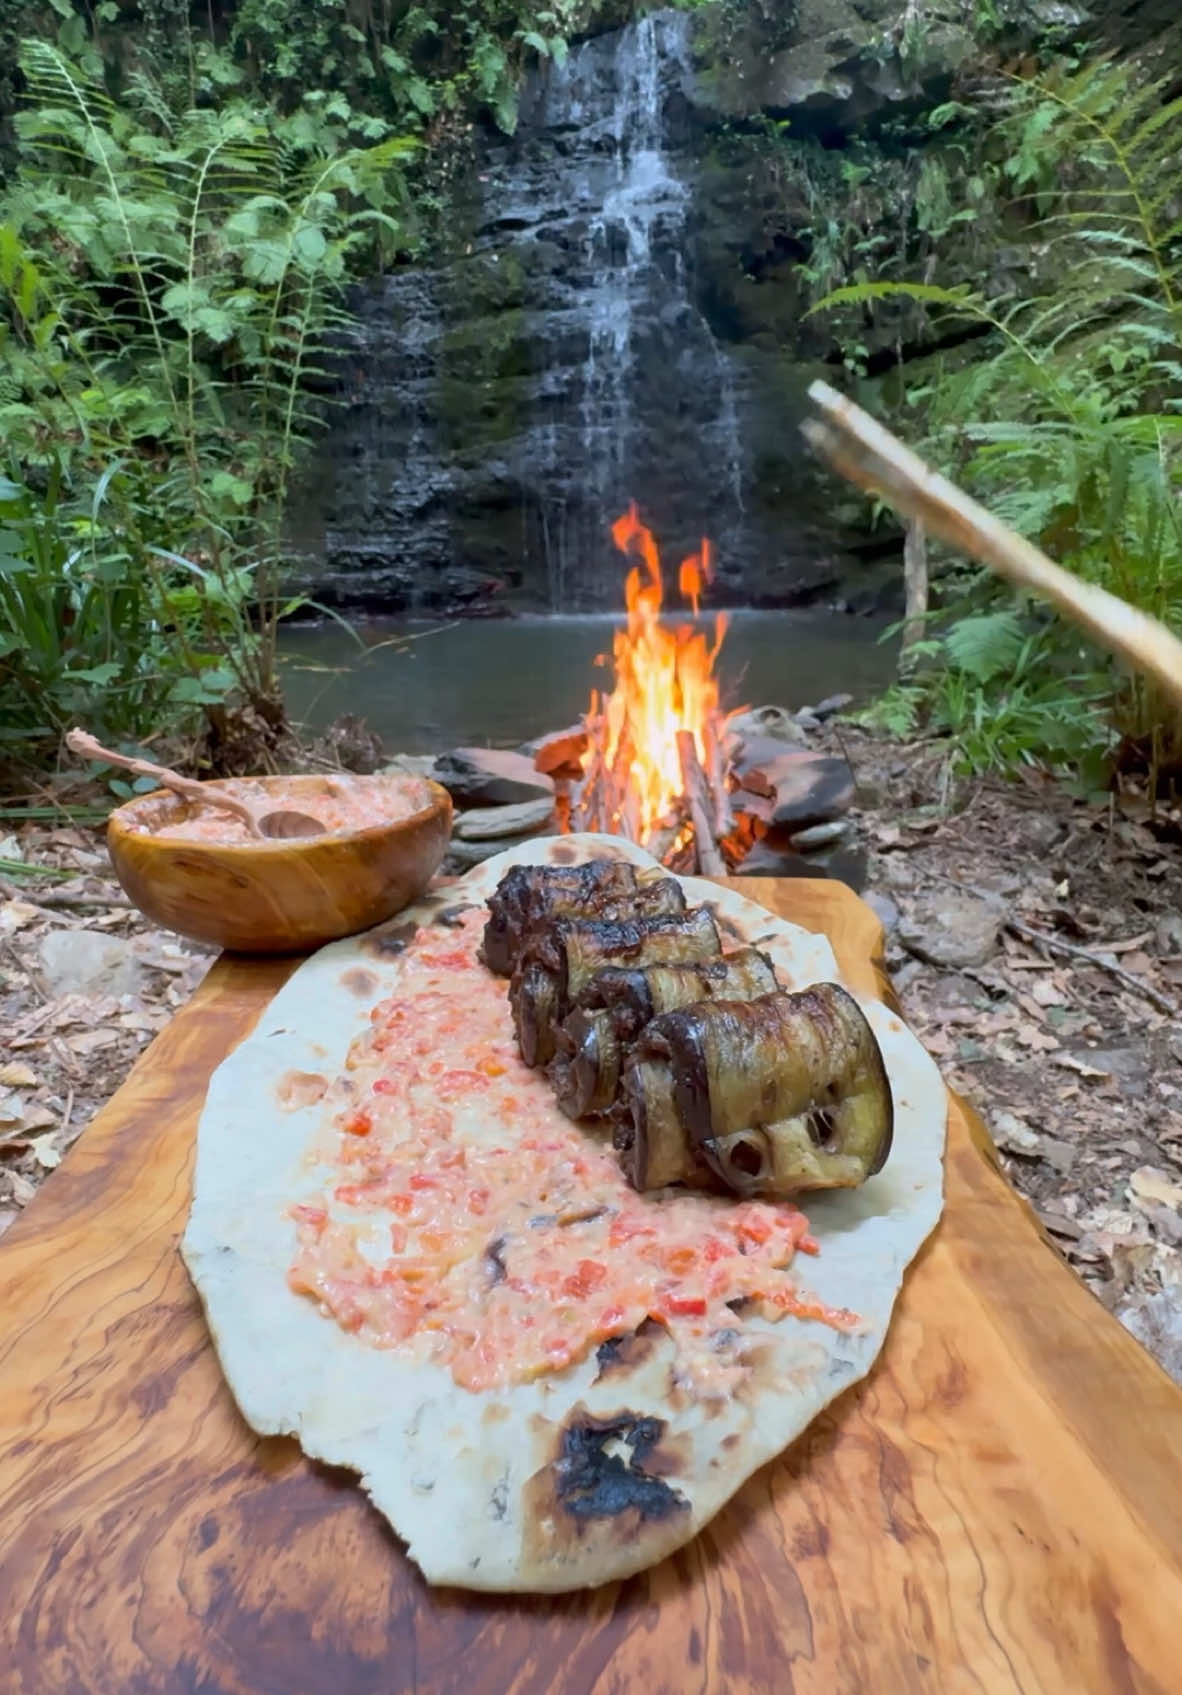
{"points": [[654, 764]]}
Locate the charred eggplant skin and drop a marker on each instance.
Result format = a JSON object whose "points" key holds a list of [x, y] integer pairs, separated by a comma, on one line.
{"points": [[565, 954], [530, 895], [772, 1096], [612, 1009]]}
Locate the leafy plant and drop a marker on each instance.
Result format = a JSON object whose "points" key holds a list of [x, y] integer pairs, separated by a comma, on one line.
{"points": [[1071, 426], [171, 285]]}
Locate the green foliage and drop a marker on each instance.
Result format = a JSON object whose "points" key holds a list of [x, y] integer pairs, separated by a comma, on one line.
{"points": [[1070, 427], [170, 284]]}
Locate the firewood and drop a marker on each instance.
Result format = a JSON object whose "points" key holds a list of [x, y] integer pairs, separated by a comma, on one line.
{"points": [[667, 829], [697, 793], [716, 776]]}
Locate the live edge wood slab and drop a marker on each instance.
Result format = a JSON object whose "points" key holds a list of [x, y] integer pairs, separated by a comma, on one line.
{"points": [[998, 1508]]}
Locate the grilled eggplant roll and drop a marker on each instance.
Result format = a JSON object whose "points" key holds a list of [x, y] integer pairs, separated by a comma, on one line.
{"points": [[562, 957], [609, 1014], [767, 1097], [529, 895]]}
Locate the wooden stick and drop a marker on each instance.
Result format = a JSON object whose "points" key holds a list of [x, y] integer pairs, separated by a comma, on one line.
{"points": [[724, 818], [697, 794], [871, 457], [1068, 950], [201, 794]]}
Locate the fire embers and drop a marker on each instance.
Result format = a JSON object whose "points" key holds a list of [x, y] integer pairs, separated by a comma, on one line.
{"points": [[711, 1074], [769, 1097]]}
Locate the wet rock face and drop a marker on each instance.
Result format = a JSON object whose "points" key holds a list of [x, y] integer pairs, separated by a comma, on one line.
{"points": [[503, 407]]}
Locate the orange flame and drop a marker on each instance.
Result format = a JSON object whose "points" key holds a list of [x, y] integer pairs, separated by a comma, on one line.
{"points": [[664, 678]]}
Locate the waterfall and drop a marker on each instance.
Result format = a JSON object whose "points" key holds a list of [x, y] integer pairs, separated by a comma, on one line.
{"points": [[505, 403], [648, 343]]}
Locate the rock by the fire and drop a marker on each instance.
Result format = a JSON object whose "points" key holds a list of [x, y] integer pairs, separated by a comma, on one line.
{"points": [[461, 854], [762, 723], [821, 835], [772, 857], [560, 755], [806, 788], [830, 706], [491, 823], [486, 776]]}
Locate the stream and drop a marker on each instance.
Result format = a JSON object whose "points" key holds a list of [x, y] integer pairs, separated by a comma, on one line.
{"points": [[425, 687]]}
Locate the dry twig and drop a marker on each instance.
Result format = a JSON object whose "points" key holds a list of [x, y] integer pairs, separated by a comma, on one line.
{"points": [[1068, 950]]}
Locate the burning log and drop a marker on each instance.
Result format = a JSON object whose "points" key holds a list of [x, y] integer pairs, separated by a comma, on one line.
{"points": [[701, 806], [716, 763]]}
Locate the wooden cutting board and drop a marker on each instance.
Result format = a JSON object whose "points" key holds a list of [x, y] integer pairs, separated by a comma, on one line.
{"points": [[997, 1508]]}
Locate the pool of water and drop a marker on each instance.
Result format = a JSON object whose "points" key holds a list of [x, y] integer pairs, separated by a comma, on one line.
{"points": [[495, 683]]}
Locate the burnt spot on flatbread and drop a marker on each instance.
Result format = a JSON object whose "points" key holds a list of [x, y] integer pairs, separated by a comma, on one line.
{"points": [[360, 982], [628, 1352], [394, 939], [612, 1466], [563, 854], [451, 917]]}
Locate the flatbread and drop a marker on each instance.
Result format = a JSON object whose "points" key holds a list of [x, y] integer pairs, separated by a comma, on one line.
{"points": [[479, 1485]]}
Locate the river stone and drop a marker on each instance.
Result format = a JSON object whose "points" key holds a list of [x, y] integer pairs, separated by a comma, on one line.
{"points": [[831, 706], [763, 724], [821, 835], [806, 788], [489, 776], [493, 823], [952, 929], [87, 962], [463, 855]]}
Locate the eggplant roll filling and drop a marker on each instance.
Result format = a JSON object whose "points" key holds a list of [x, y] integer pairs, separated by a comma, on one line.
{"points": [[608, 1015], [763, 1097], [530, 895], [566, 953]]}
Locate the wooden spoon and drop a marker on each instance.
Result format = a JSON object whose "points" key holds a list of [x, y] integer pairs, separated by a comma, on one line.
{"points": [[278, 825], [877, 461]]}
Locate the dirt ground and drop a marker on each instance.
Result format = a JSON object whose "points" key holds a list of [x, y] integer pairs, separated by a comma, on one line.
{"points": [[1036, 942]]}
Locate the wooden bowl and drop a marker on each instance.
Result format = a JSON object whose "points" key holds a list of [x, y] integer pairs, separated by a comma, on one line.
{"points": [[276, 896]]}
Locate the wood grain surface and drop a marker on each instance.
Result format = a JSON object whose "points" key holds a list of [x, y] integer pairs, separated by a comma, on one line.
{"points": [[997, 1508]]}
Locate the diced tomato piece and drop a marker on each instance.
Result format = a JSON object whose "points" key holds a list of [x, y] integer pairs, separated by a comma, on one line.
{"points": [[754, 1228], [610, 1317], [680, 1260], [456, 1159], [625, 1226], [683, 1306], [422, 1180], [478, 1200], [401, 1204], [384, 1086], [310, 1215], [714, 1249], [588, 1276], [398, 1238]]}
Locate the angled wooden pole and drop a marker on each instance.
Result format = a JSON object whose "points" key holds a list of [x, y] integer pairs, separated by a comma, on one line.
{"points": [[874, 459]]}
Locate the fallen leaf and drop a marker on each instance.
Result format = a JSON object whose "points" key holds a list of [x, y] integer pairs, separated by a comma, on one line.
{"points": [[1031, 1036], [16, 1075], [1047, 992], [22, 1190], [15, 914], [1015, 1135], [1072, 1064], [89, 1041], [1149, 1184], [45, 1153]]}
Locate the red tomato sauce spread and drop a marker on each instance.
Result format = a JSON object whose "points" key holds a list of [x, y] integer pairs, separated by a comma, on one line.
{"points": [[462, 1212], [340, 805]]}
